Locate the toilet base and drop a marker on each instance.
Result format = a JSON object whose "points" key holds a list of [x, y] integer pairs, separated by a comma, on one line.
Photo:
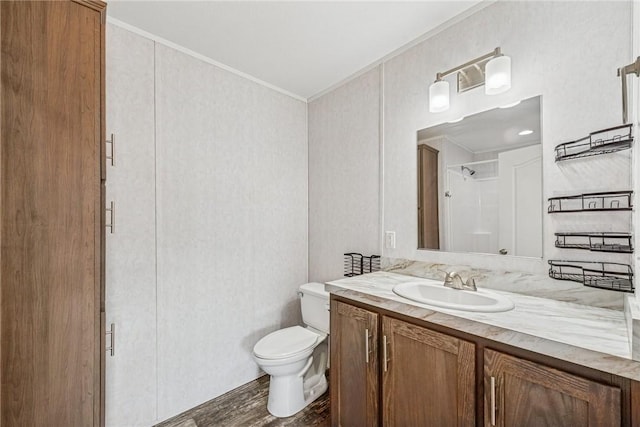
{"points": [[289, 395], [316, 390]]}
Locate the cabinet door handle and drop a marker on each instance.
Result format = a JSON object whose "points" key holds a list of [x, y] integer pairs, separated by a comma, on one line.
{"points": [[493, 401], [366, 345], [112, 345], [384, 352], [112, 214], [112, 157]]}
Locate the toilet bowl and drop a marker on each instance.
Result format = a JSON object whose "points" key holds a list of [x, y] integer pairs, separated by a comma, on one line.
{"points": [[296, 357]]}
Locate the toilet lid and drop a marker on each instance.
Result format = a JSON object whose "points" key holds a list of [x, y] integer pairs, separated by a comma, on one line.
{"points": [[285, 343]]}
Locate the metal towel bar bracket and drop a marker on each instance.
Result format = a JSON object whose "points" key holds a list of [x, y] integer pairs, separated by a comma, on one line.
{"points": [[623, 72]]}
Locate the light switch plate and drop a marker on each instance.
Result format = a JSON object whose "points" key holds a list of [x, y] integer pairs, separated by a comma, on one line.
{"points": [[390, 239]]}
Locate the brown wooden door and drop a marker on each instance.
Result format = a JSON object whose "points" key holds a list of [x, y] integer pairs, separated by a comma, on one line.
{"points": [[354, 366], [527, 394], [428, 219], [428, 377], [51, 212]]}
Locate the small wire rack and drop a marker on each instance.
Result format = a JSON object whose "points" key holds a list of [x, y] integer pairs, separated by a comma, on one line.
{"points": [[356, 264], [596, 242], [599, 142], [605, 201], [603, 275]]}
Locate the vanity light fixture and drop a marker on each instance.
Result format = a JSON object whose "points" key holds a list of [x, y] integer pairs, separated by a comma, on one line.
{"points": [[439, 96], [497, 75], [492, 70], [525, 132]]}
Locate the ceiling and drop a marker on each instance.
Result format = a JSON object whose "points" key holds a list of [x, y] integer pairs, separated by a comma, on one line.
{"points": [[301, 47], [493, 130]]}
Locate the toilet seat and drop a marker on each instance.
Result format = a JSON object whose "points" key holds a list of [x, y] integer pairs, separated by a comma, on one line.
{"points": [[286, 343]]}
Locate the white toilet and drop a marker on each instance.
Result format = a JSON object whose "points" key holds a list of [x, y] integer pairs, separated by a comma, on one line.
{"points": [[296, 357]]}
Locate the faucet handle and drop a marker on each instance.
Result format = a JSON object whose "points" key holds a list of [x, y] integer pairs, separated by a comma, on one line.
{"points": [[471, 283]]}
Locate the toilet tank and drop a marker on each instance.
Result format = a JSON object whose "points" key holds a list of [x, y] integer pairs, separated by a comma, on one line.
{"points": [[314, 303]]}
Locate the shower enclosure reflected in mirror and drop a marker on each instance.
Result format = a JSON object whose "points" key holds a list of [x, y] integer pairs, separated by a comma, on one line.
{"points": [[480, 183]]}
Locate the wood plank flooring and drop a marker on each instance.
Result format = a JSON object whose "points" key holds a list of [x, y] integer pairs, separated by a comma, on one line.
{"points": [[246, 406]]}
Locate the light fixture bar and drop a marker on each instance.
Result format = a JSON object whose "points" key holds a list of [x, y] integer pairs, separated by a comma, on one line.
{"points": [[492, 70], [496, 52]]}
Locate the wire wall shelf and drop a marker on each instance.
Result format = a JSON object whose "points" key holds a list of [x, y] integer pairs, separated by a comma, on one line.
{"points": [[603, 275], [356, 264], [596, 242], [599, 142], [605, 201]]}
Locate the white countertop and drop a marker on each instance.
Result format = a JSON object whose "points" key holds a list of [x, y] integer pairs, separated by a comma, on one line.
{"points": [[598, 329]]}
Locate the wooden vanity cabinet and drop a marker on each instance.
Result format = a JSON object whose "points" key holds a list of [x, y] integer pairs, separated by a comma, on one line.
{"points": [[354, 366], [427, 377], [416, 376], [522, 393]]}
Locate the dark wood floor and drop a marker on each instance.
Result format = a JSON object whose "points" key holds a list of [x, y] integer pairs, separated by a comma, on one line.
{"points": [[246, 406]]}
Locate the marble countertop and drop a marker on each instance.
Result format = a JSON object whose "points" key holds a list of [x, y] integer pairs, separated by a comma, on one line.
{"points": [[590, 336]]}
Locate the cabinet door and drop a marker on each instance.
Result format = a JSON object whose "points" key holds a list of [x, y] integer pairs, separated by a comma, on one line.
{"points": [[428, 377], [354, 366], [51, 213], [131, 386], [522, 393]]}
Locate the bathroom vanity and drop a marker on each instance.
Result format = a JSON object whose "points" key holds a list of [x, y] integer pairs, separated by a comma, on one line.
{"points": [[396, 362]]}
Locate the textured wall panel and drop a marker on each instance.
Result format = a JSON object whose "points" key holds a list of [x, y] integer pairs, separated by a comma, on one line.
{"points": [[343, 175], [232, 224]]}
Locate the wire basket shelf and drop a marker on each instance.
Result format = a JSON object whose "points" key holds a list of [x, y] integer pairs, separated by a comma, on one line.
{"points": [[604, 201], [596, 241], [599, 142], [602, 275]]}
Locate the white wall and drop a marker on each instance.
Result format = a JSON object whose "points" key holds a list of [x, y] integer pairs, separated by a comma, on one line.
{"points": [[344, 172], [568, 52], [230, 200], [232, 224]]}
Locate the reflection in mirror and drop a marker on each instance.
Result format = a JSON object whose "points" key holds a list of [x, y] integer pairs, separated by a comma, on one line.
{"points": [[480, 183]]}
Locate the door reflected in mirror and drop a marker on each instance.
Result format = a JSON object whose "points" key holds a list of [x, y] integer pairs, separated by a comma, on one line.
{"points": [[480, 183]]}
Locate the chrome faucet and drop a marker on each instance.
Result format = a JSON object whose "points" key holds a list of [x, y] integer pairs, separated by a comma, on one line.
{"points": [[454, 281]]}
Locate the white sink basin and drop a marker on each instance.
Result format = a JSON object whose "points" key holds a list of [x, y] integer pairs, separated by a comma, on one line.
{"points": [[441, 296]]}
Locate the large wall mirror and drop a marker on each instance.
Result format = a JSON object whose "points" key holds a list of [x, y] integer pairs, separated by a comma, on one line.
{"points": [[480, 183]]}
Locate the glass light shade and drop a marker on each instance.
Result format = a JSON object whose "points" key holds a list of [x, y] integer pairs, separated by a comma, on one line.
{"points": [[439, 96], [497, 75]]}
